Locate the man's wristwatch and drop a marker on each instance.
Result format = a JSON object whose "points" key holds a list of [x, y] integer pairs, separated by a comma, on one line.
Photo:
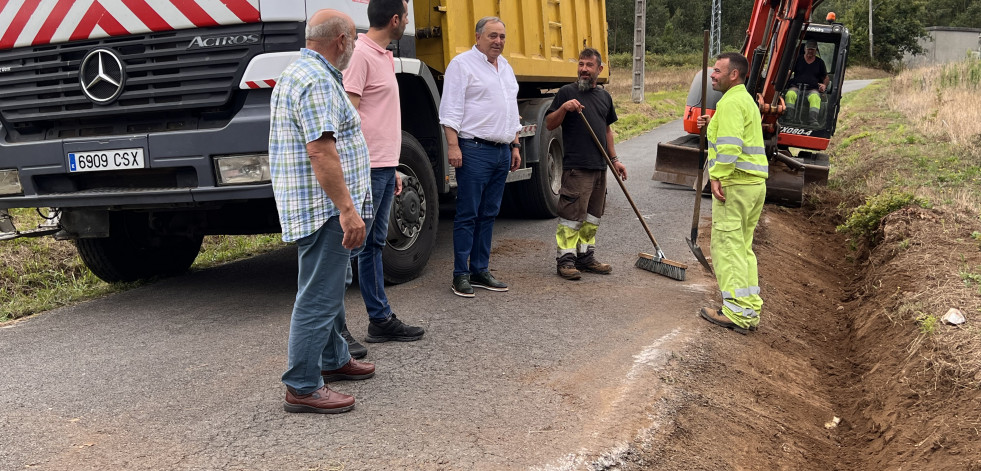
{"points": [[515, 145]]}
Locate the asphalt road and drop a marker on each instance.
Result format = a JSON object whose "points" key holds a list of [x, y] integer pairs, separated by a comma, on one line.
{"points": [[184, 373]]}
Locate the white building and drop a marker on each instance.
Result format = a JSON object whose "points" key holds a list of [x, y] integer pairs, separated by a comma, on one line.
{"points": [[946, 44]]}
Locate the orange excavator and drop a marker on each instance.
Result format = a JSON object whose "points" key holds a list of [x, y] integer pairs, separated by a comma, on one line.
{"points": [[795, 139]]}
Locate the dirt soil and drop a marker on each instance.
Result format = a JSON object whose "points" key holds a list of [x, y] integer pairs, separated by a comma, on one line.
{"points": [[841, 375]]}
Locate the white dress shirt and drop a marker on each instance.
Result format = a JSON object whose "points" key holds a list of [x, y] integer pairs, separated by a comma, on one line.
{"points": [[480, 100]]}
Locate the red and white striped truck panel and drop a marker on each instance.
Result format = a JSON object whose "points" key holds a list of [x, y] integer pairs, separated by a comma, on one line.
{"points": [[39, 22]]}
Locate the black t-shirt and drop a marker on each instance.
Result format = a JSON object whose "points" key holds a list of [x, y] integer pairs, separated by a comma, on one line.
{"points": [[809, 74], [580, 150]]}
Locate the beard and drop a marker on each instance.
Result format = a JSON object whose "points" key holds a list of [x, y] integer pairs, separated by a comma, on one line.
{"points": [[585, 84], [346, 58]]}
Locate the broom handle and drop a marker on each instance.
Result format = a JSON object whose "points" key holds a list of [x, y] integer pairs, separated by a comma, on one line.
{"points": [[703, 136], [609, 163]]}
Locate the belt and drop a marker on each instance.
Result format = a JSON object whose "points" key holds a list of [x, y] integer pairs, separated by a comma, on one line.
{"points": [[490, 143]]}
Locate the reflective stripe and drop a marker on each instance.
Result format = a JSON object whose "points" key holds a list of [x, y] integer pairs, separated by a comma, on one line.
{"points": [[583, 248], [592, 219], [712, 145], [574, 225], [561, 252], [754, 167], [754, 150], [743, 311], [711, 163], [741, 292], [729, 140], [727, 158]]}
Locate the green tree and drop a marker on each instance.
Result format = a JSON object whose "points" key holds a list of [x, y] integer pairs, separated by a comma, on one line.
{"points": [[896, 30]]}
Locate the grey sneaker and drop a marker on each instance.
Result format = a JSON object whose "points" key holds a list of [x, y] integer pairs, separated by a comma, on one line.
{"points": [[357, 350], [393, 329], [461, 286], [487, 281]]}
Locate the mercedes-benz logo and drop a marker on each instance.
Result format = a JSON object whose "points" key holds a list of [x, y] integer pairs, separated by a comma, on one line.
{"points": [[101, 76]]}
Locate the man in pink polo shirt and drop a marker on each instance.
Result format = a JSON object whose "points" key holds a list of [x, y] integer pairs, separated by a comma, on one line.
{"points": [[370, 82]]}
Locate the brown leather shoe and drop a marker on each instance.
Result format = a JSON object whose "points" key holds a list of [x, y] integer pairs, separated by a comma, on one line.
{"points": [[354, 369], [595, 267], [718, 318], [321, 401], [568, 272]]}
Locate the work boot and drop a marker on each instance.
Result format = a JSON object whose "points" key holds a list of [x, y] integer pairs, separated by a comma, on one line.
{"points": [[718, 318], [589, 263], [568, 271], [357, 350], [392, 329], [353, 370], [461, 286], [487, 281], [321, 401]]}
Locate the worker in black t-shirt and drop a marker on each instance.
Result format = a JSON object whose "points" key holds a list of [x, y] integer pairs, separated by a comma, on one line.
{"points": [[811, 77], [582, 197]]}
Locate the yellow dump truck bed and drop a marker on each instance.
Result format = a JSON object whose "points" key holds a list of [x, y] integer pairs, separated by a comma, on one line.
{"points": [[544, 37]]}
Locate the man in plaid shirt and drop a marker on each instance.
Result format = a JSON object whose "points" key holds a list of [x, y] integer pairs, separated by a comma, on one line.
{"points": [[319, 164]]}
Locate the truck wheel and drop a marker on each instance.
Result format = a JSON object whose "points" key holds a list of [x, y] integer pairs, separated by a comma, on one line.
{"points": [[539, 196], [121, 258], [415, 214]]}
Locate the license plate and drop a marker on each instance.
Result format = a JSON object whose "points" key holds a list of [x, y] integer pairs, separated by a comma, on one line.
{"points": [[115, 159]]}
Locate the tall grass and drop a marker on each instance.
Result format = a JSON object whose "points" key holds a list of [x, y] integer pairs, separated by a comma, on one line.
{"points": [[943, 102]]}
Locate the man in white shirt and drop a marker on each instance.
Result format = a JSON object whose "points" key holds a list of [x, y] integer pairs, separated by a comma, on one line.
{"points": [[479, 113]]}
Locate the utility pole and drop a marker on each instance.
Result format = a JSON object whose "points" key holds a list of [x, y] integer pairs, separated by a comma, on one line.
{"points": [[871, 56], [640, 36], [715, 41]]}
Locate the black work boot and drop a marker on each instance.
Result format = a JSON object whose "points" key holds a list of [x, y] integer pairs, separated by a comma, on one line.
{"points": [[357, 350], [392, 329], [487, 281]]}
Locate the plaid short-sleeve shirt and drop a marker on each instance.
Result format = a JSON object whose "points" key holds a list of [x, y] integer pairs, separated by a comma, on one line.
{"points": [[309, 100]]}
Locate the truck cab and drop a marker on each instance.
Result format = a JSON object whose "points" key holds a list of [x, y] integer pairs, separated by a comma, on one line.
{"points": [[142, 129]]}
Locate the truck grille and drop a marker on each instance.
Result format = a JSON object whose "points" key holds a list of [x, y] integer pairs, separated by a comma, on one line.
{"points": [[167, 85]]}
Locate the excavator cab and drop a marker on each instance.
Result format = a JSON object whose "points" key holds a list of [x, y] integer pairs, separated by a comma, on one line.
{"points": [[820, 121]]}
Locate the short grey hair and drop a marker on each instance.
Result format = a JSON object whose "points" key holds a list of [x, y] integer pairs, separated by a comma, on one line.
{"points": [[483, 22], [328, 30]]}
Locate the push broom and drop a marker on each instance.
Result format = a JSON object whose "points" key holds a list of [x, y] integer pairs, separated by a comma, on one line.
{"points": [[655, 262]]}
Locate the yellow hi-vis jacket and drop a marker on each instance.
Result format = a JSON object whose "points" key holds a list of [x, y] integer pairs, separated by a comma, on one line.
{"points": [[735, 139]]}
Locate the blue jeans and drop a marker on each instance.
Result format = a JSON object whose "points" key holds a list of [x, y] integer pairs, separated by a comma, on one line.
{"points": [[315, 342], [371, 276], [480, 187]]}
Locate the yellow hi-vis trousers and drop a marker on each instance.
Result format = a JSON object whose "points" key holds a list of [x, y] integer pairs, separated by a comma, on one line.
{"points": [[575, 238], [813, 99], [733, 224]]}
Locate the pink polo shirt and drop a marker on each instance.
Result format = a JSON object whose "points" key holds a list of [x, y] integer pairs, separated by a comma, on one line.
{"points": [[371, 74]]}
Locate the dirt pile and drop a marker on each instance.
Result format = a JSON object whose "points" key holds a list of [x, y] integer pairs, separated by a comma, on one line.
{"points": [[851, 368]]}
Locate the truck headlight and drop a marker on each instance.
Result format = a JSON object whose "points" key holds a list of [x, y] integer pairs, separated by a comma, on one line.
{"points": [[10, 182], [242, 169]]}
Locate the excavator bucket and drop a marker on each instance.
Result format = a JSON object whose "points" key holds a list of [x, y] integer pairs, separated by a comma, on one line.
{"points": [[677, 163]]}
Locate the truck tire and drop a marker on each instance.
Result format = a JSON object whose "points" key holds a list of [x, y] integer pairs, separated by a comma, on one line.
{"points": [[539, 196], [415, 216], [122, 257]]}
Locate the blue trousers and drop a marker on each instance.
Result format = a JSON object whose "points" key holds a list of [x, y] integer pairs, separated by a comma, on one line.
{"points": [[315, 341], [371, 276], [480, 187]]}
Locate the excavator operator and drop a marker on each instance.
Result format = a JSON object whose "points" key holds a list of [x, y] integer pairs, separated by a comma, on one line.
{"points": [[810, 78]]}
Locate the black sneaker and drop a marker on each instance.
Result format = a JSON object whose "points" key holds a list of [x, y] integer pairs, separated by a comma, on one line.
{"points": [[357, 350], [392, 329], [461, 286], [487, 281]]}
